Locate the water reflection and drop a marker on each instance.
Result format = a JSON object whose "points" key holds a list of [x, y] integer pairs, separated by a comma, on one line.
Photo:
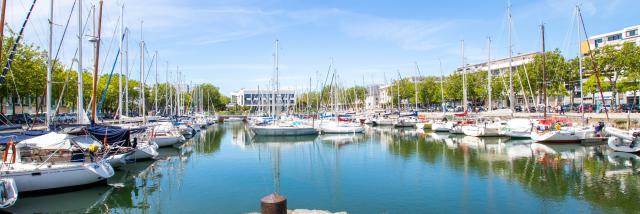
{"points": [[226, 169]]}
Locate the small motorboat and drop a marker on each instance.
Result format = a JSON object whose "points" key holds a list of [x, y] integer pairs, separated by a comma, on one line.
{"points": [[623, 141], [8, 192]]}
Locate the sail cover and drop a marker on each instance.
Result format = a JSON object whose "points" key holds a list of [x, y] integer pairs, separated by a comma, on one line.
{"points": [[113, 134]]}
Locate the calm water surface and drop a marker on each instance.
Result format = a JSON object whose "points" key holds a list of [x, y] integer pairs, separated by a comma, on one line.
{"points": [[386, 170]]}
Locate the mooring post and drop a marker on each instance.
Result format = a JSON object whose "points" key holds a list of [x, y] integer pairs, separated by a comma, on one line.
{"points": [[273, 204]]}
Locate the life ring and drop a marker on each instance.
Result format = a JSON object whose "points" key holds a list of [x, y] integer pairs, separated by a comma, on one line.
{"points": [[10, 145]]}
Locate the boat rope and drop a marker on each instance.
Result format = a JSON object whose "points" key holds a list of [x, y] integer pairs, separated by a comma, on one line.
{"points": [[12, 53], [104, 93]]}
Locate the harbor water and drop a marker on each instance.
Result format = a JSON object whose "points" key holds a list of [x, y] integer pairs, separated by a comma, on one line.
{"points": [[225, 169]]}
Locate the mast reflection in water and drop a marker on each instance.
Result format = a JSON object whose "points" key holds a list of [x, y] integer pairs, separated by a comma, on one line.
{"points": [[225, 169]]}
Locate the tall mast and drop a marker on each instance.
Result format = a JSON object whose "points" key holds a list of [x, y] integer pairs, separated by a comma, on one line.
{"points": [[464, 80], [544, 73], [142, 86], [156, 86], [49, 65], [490, 102], [277, 81], [121, 66], [415, 85], [580, 61], [126, 69], [2, 15], [95, 68], [80, 101], [511, 95], [167, 95], [442, 87]]}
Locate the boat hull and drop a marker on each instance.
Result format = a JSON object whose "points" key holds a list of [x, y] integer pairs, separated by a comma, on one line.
{"points": [[342, 129], [44, 178], [476, 131], [283, 131]]}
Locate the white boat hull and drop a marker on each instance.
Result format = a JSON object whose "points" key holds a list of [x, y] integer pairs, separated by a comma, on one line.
{"points": [[283, 131], [561, 136], [481, 131], [441, 127], [332, 129], [144, 151], [456, 130], [31, 178], [168, 140]]}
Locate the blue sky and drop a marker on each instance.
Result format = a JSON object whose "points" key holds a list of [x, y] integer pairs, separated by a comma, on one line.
{"points": [[230, 43]]}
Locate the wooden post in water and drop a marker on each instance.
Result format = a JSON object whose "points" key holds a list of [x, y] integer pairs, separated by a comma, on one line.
{"points": [[273, 203]]}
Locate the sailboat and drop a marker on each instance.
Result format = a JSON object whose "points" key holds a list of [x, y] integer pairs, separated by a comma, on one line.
{"points": [[558, 130], [51, 161], [281, 127]]}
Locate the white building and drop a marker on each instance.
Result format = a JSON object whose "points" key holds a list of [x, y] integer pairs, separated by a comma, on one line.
{"points": [[263, 99], [619, 37], [628, 34], [501, 66]]}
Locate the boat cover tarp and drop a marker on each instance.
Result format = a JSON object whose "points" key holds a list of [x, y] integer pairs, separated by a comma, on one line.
{"points": [[20, 136], [113, 134], [50, 140]]}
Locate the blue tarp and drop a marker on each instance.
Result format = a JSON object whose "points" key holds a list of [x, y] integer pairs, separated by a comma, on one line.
{"points": [[20, 136], [113, 134]]}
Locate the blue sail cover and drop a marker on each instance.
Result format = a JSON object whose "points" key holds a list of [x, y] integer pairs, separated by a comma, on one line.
{"points": [[20, 136], [113, 134]]}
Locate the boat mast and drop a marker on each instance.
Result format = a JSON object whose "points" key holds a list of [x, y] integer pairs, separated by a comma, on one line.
{"points": [[95, 68], [415, 85], [156, 86], [121, 66], [580, 62], [49, 65], [442, 87], [593, 63], [490, 103], [126, 69], [142, 85], [2, 15], [277, 84], [80, 100], [511, 95], [464, 80], [544, 74]]}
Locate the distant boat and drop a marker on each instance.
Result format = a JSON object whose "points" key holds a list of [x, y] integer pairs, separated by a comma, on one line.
{"points": [[623, 141]]}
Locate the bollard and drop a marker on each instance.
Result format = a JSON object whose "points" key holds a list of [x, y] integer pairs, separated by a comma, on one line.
{"points": [[273, 204]]}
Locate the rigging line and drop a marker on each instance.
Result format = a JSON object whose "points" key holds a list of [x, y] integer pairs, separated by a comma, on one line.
{"points": [[37, 25], [15, 45], [153, 59], [113, 37], [104, 93], [63, 34]]}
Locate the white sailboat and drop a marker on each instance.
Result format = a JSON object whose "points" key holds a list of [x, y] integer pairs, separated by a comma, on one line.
{"points": [[281, 128], [48, 162]]}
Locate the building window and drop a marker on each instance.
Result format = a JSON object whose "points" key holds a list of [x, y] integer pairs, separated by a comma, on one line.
{"points": [[614, 37], [632, 33]]}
